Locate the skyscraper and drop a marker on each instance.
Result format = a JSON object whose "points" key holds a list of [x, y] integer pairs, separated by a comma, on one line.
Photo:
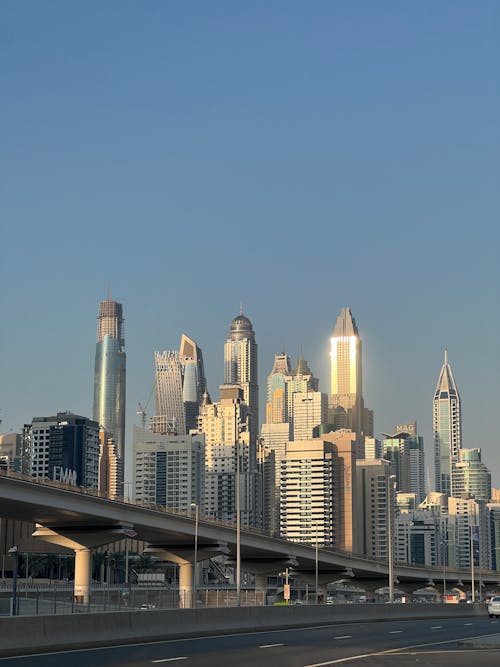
{"points": [[276, 406], [194, 383], [240, 367], [170, 417], [109, 374], [63, 448], [447, 422], [347, 377], [180, 384]]}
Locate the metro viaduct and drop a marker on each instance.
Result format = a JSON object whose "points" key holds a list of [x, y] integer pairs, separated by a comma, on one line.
{"points": [[77, 520]]}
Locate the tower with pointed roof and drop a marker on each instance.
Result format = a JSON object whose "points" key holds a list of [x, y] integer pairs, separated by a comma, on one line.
{"points": [[240, 366], [347, 375], [447, 423]]}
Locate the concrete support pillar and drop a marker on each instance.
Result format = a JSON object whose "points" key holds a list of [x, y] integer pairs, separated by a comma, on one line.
{"points": [[261, 587], [82, 576], [185, 585]]}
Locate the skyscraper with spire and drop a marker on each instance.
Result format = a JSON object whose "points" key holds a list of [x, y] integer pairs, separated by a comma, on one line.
{"points": [[240, 367], [109, 374], [347, 377], [447, 423]]}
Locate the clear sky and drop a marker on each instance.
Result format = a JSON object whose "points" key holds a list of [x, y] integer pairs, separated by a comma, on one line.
{"points": [[294, 156]]}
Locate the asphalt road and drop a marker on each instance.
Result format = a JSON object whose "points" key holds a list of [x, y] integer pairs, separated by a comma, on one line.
{"points": [[429, 643]]}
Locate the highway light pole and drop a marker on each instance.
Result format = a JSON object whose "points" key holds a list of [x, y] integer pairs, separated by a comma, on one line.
{"points": [[195, 564], [390, 546], [316, 564], [15, 553], [238, 527]]}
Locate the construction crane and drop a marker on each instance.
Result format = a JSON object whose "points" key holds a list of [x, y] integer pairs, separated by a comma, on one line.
{"points": [[141, 409]]}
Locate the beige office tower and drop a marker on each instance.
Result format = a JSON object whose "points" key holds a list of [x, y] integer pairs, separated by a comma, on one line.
{"points": [[346, 447], [240, 367], [308, 511], [110, 471], [347, 403], [374, 497], [310, 410], [227, 435]]}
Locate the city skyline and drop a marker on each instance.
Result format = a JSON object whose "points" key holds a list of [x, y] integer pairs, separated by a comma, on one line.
{"points": [[298, 159]]}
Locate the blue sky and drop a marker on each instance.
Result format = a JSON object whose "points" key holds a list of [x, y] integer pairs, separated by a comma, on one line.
{"points": [[293, 156]]}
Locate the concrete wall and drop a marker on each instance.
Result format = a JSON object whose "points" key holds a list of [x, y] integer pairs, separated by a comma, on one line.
{"points": [[31, 633]]}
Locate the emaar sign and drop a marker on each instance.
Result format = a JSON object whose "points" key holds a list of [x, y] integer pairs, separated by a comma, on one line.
{"points": [[64, 475]]}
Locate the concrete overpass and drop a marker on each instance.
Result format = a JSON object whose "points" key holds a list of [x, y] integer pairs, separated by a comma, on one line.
{"points": [[80, 520]]}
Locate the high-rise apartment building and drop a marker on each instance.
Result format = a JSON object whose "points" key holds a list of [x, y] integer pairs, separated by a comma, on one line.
{"points": [[300, 380], [277, 405], [405, 450], [240, 367], [346, 446], [374, 495], [310, 410], [471, 478], [447, 423], [227, 450], [346, 376], [63, 448], [308, 507], [11, 452], [110, 467], [109, 374], [169, 470]]}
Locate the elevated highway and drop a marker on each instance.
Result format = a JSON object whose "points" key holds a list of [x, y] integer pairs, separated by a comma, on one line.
{"points": [[80, 520]]}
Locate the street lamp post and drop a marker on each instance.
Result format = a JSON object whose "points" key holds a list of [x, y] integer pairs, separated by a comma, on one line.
{"points": [[15, 553], [390, 549], [238, 528], [472, 564], [444, 544], [316, 564], [195, 565]]}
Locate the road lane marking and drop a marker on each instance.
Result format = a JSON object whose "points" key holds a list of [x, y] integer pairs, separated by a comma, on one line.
{"points": [[394, 632], [436, 627], [343, 637], [181, 657], [270, 645], [467, 623], [394, 650]]}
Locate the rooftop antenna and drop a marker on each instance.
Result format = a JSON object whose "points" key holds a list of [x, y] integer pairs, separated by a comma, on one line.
{"points": [[445, 357]]}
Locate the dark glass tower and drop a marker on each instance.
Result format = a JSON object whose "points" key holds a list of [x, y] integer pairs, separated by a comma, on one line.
{"points": [[109, 374]]}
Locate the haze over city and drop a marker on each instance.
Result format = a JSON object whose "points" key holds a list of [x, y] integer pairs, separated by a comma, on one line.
{"points": [[293, 158]]}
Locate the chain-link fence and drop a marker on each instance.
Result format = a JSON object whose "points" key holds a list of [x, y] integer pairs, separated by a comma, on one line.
{"points": [[45, 601]]}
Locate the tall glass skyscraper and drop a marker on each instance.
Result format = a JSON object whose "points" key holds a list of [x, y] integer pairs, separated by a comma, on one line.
{"points": [[447, 422], [109, 374]]}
